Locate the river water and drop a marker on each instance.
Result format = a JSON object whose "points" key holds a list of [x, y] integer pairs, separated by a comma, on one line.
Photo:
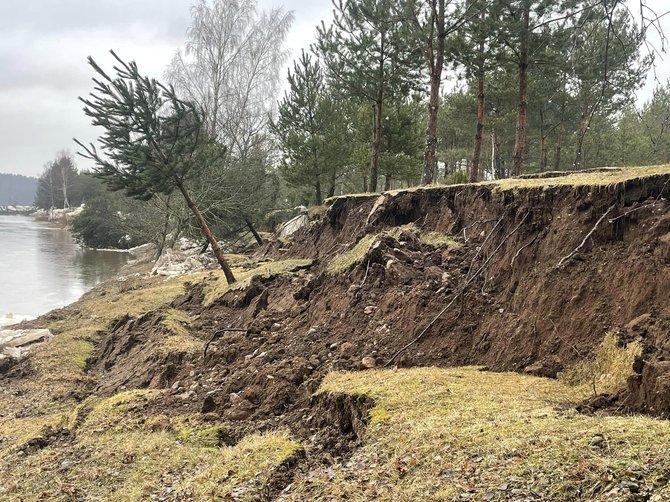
{"points": [[42, 268]]}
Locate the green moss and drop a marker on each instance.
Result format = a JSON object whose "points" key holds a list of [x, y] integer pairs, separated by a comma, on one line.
{"points": [[219, 287], [345, 261], [438, 239]]}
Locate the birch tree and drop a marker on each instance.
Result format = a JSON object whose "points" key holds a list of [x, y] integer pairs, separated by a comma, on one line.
{"points": [[230, 66]]}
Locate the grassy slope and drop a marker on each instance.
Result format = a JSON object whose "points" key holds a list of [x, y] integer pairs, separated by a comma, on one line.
{"points": [[114, 451], [460, 433]]}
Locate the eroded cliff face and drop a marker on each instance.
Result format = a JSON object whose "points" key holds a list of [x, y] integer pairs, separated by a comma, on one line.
{"points": [[529, 279]]}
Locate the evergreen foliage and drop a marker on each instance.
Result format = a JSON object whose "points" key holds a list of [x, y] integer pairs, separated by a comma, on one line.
{"points": [[152, 140]]}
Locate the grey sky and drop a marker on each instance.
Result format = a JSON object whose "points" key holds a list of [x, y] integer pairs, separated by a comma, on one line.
{"points": [[43, 50]]}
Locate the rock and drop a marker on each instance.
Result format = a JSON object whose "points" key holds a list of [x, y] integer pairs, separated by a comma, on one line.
{"points": [[237, 414], [6, 362], [16, 344], [176, 262], [238, 401], [548, 367], [347, 349], [639, 325], [208, 405], [369, 309], [175, 385], [368, 362], [293, 225], [598, 441], [23, 337]]}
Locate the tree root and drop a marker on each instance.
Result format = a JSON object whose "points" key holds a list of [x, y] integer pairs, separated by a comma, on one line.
{"points": [[581, 244]]}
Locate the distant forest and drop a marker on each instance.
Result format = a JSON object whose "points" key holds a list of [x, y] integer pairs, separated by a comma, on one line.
{"points": [[17, 189]]}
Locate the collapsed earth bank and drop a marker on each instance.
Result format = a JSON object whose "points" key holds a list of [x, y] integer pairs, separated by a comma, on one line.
{"points": [[527, 276]]}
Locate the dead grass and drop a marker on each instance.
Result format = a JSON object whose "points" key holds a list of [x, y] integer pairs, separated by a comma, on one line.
{"points": [[136, 465], [219, 287], [345, 261], [593, 178], [120, 452], [446, 434], [438, 239], [607, 370], [179, 341], [179, 345], [606, 178]]}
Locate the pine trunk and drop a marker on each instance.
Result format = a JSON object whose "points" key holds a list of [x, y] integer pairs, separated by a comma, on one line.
{"points": [[520, 143], [435, 59], [252, 229], [497, 159], [333, 183], [479, 133], [559, 140], [429, 156], [579, 161], [317, 192], [543, 143], [376, 145], [207, 233]]}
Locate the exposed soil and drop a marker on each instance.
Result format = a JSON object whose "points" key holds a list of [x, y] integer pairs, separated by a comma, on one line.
{"points": [[510, 306], [521, 313]]}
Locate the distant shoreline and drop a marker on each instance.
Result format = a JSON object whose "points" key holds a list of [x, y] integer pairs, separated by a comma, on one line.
{"points": [[16, 213]]}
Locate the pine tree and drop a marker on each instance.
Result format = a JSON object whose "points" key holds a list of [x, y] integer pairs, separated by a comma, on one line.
{"points": [[306, 128], [152, 141], [367, 55]]}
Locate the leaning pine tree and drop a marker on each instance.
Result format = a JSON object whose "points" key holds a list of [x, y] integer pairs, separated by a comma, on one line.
{"points": [[152, 143]]}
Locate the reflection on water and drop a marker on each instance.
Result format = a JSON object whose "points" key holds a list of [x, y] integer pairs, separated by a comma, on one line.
{"points": [[42, 268]]}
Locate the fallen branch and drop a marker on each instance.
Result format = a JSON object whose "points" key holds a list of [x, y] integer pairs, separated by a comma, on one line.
{"points": [[367, 268], [612, 220], [583, 243], [458, 294], [219, 333]]}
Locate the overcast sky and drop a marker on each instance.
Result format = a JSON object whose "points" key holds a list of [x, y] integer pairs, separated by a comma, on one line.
{"points": [[43, 50]]}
